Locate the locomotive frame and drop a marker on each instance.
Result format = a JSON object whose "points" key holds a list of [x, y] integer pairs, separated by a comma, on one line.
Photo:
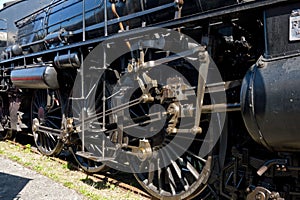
{"points": [[251, 159]]}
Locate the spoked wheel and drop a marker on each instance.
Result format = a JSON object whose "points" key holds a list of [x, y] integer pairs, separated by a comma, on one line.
{"points": [[88, 114], [173, 168], [4, 113], [184, 179], [46, 111], [172, 177], [175, 162]]}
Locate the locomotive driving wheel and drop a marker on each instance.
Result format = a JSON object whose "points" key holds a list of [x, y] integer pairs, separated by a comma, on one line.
{"points": [[184, 178], [171, 177], [150, 122], [172, 141], [83, 111], [46, 112], [169, 164], [4, 133]]}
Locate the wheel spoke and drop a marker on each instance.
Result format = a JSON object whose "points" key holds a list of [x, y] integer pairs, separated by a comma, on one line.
{"points": [[187, 151], [159, 175], [36, 106], [44, 145], [135, 114], [179, 174], [52, 138], [171, 181], [193, 171], [57, 109], [151, 173], [176, 168], [94, 112], [52, 124], [47, 143]]}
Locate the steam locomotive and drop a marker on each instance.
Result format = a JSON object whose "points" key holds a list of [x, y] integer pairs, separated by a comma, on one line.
{"points": [[199, 99]]}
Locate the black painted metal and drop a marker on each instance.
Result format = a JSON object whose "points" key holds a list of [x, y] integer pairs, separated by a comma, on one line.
{"points": [[277, 31], [189, 19], [59, 36], [270, 100], [11, 13], [69, 14]]}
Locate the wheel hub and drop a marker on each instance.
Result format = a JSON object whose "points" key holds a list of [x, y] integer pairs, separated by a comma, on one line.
{"points": [[41, 113]]}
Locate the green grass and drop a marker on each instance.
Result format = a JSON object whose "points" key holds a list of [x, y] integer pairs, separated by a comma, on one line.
{"points": [[38, 168], [27, 148], [14, 158], [27, 164], [92, 189], [69, 184]]}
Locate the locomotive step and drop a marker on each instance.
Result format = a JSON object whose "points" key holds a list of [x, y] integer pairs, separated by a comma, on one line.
{"points": [[91, 156]]}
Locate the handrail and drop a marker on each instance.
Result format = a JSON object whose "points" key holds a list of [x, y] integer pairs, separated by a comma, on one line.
{"points": [[168, 24], [41, 9], [83, 20]]}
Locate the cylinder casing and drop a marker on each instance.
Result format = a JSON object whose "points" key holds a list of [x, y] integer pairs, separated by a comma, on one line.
{"points": [[38, 77], [270, 100]]}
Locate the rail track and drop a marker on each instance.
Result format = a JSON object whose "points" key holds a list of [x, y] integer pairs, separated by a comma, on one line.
{"points": [[111, 177]]}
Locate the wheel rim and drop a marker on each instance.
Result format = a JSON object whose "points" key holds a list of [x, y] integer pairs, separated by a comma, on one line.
{"points": [[186, 176], [179, 177], [170, 176], [183, 178], [51, 117]]}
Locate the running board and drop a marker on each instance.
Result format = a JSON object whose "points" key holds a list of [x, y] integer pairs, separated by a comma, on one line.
{"points": [[91, 156]]}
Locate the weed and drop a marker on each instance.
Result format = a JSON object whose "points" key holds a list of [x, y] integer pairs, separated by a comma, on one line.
{"points": [[89, 194], [28, 164], [112, 187], [65, 166], [69, 184], [91, 188], [53, 176], [27, 148], [15, 158], [38, 168]]}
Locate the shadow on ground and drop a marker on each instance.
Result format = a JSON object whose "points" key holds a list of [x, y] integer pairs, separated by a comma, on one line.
{"points": [[11, 186]]}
